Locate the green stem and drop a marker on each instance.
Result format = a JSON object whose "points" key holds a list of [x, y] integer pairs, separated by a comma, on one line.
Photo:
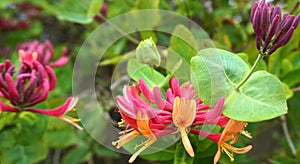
{"points": [[259, 57]]}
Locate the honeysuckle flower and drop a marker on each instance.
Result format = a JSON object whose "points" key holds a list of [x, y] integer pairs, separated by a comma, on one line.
{"points": [[60, 112], [150, 115], [230, 133], [31, 87], [42, 52], [272, 30]]}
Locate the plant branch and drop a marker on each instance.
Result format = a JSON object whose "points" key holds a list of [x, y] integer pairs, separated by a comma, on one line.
{"points": [[295, 89], [259, 57], [132, 39], [287, 135]]}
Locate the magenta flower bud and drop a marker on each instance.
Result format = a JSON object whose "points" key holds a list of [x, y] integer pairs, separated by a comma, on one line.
{"points": [[272, 30], [42, 52]]}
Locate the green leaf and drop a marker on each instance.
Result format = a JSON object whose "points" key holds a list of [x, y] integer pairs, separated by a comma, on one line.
{"points": [[30, 131], [148, 4], [216, 71], [183, 43], [9, 139], [288, 92], [137, 70], [76, 155], [59, 138], [164, 155], [74, 11], [291, 78], [262, 97], [181, 156], [7, 118], [102, 151], [23, 154], [94, 7]]}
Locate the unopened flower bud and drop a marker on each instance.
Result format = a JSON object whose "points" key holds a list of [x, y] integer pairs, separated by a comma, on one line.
{"points": [[147, 52]]}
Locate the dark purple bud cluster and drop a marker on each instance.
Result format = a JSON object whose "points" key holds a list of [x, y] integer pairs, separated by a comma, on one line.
{"points": [[271, 28], [31, 86]]}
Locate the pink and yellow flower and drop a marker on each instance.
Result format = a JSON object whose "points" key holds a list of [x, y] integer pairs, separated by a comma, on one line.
{"points": [[230, 133], [145, 112]]}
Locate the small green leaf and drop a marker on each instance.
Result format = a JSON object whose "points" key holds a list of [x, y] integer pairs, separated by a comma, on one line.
{"points": [[183, 43], [288, 92], [137, 70]]}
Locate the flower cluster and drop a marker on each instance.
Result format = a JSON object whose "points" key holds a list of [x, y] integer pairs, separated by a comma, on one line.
{"points": [[34, 80], [272, 30], [145, 112], [34, 50]]}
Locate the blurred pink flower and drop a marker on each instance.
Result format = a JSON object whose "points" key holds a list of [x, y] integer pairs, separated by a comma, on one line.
{"points": [[42, 52], [15, 22]]}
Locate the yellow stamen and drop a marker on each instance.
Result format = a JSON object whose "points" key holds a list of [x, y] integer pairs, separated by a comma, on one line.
{"points": [[126, 138], [147, 144]]}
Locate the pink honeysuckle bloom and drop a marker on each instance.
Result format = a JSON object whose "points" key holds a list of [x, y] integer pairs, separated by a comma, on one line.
{"points": [[150, 115], [272, 30], [31, 86], [42, 52]]}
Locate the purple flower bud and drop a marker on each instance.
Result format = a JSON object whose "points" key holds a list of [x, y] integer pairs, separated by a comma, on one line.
{"points": [[254, 6], [271, 29]]}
